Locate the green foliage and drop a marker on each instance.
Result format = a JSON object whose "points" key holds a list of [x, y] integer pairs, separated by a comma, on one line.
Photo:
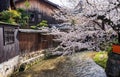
{"points": [[43, 23], [107, 46], [10, 16], [101, 58], [115, 40], [27, 4], [33, 27], [109, 49], [23, 21], [18, 16]]}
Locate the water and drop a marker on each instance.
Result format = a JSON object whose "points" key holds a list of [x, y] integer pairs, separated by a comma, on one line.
{"points": [[76, 65]]}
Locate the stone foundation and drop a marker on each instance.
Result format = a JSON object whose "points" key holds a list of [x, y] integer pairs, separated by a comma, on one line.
{"points": [[8, 67]]}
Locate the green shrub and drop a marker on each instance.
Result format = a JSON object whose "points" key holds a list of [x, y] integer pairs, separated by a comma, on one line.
{"points": [[23, 21], [43, 23], [109, 49], [33, 27], [27, 4], [10, 16], [101, 58], [18, 16]]}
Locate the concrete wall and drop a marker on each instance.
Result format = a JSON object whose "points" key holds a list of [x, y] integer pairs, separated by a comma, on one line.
{"points": [[7, 68]]}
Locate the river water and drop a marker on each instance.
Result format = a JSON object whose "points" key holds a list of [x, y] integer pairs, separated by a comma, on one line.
{"points": [[77, 65]]}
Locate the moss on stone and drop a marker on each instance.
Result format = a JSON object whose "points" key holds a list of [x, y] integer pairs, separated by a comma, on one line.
{"points": [[101, 58]]}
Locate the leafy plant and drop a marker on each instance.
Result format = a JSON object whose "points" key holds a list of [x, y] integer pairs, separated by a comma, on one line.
{"points": [[33, 27], [23, 21], [101, 58], [18, 16], [109, 49], [43, 23], [27, 4], [10, 16]]}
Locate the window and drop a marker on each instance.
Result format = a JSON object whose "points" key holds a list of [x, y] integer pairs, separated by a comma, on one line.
{"points": [[32, 17], [39, 17], [8, 35]]}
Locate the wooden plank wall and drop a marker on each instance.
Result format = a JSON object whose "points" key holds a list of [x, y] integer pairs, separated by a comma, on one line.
{"points": [[46, 41], [39, 10], [28, 42], [39, 5], [10, 50], [32, 42]]}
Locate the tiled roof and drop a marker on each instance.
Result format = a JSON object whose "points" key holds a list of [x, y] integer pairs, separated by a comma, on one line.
{"points": [[46, 1]]}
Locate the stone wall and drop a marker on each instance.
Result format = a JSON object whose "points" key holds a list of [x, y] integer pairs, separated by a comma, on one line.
{"points": [[8, 67]]}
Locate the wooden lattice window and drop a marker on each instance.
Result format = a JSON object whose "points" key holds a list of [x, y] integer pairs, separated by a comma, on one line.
{"points": [[9, 35]]}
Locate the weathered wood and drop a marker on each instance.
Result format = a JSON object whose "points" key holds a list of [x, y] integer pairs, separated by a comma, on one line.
{"points": [[8, 51], [39, 10], [31, 42], [28, 42], [40, 5]]}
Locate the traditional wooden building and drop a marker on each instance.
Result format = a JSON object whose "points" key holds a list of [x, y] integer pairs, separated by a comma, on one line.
{"points": [[34, 40], [9, 46], [9, 49], [39, 10]]}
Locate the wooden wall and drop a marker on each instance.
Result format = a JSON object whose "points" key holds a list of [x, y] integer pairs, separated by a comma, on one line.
{"points": [[46, 41], [32, 42], [28, 42], [39, 10], [10, 50], [39, 5]]}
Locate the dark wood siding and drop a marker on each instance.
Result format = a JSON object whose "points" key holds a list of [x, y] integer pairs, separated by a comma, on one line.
{"points": [[39, 5], [28, 42], [40, 10], [32, 42]]}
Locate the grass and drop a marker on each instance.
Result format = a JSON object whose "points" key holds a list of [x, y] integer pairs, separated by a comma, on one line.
{"points": [[100, 58]]}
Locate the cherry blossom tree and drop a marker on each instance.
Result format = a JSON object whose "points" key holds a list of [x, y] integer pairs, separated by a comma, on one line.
{"points": [[103, 12], [98, 20]]}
